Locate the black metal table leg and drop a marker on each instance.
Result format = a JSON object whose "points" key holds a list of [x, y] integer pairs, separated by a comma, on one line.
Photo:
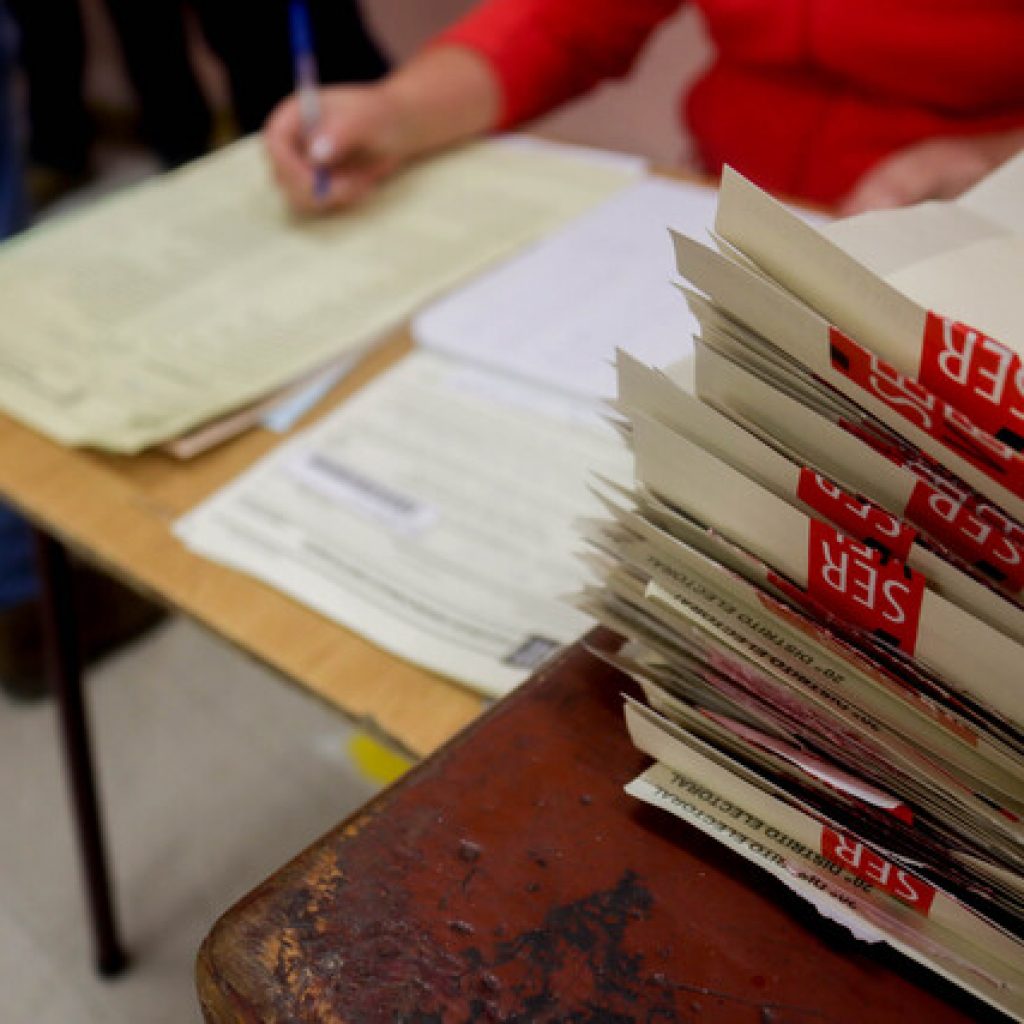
{"points": [[60, 628]]}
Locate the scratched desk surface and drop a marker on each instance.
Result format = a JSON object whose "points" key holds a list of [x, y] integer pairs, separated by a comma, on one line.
{"points": [[510, 879]]}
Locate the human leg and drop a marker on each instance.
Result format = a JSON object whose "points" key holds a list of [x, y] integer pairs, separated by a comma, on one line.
{"points": [[257, 52], [176, 119], [52, 55]]}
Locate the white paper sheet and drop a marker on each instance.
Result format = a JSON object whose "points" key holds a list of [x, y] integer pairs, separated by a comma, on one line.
{"points": [[557, 312], [432, 513]]}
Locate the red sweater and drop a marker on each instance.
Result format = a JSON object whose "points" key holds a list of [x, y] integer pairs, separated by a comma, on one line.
{"points": [[804, 95]]}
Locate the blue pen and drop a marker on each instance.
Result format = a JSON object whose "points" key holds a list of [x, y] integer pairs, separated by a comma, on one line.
{"points": [[306, 84]]}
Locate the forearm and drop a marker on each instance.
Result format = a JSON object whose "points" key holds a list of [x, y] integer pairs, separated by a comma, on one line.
{"points": [[545, 52], [445, 95]]}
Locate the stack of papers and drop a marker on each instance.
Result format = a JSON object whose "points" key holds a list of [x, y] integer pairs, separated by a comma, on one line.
{"points": [[819, 570], [196, 294]]}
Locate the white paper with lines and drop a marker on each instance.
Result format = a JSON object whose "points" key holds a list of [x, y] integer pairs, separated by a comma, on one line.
{"points": [[556, 313], [433, 513]]}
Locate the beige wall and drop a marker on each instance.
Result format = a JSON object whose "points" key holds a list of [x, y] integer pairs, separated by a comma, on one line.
{"points": [[637, 114]]}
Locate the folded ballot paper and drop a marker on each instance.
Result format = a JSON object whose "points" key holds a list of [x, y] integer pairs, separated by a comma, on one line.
{"points": [[819, 570], [196, 294]]}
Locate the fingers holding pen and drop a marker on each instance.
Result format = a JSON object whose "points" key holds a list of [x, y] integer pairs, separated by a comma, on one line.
{"points": [[301, 166], [287, 150], [344, 171], [354, 147]]}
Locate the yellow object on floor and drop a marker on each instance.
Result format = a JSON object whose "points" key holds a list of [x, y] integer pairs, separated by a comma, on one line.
{"points": [[377, 761]]}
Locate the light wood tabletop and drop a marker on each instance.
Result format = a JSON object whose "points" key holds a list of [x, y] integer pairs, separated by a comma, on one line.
{"points": [[118, 513]]}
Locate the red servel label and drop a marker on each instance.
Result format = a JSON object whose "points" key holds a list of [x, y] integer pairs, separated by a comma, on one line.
{"points": [[976, 374], [861, 519], [936, 712], [858, 584], [952, 521], [918, 405], [877, 871]]}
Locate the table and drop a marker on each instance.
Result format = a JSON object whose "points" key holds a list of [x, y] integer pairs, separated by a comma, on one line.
{"points": [[117, 513], [509, 878]]}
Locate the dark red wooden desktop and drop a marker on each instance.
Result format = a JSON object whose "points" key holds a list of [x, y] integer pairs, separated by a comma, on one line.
{"points": [[509, 878]]}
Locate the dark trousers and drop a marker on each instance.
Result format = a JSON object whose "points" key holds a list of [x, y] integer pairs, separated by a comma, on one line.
{"points": [[52, 55], [253, 44], [251, 39], [256, 52]]}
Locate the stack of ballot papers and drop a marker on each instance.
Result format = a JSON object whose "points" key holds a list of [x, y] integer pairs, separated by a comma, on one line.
{"points": [[818, 571], [196, 294]]}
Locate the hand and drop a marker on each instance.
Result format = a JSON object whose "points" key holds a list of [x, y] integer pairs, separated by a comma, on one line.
{"points": [[359, 141], [446, 94], [934, 169]]}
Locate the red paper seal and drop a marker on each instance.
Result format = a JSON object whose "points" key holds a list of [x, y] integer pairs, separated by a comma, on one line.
{"points": [[861, 519], [861, 586], [918, 405], [976, 374], [867, 865], [969, 534]]}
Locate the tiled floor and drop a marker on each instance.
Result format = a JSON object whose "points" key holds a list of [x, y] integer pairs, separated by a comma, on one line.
{"points": [[214, 772]]}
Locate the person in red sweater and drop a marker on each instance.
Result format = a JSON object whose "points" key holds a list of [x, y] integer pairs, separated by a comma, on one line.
{"points": [[855, 105]]}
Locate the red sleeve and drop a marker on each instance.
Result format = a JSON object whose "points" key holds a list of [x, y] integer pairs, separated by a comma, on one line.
{"points": [[547, 51]]}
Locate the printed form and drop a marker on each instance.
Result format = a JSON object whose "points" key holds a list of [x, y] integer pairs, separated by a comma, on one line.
{"points": [[433, 513], [556, 312], [194, 294]]}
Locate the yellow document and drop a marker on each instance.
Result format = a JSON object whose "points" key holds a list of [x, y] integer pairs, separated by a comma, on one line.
{"points": [[197, 293]]}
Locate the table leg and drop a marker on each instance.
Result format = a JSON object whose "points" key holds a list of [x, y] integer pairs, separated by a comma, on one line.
{"points": [[60, 629]]}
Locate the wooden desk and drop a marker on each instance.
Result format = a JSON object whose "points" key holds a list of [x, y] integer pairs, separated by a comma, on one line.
{"points": [[509, 878], [117, 513]]}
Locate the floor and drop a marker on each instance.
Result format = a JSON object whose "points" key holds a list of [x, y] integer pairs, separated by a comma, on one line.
{"points": [[214, 772]]}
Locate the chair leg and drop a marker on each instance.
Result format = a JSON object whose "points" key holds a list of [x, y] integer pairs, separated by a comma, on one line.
{"points": [[60, 629]]}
